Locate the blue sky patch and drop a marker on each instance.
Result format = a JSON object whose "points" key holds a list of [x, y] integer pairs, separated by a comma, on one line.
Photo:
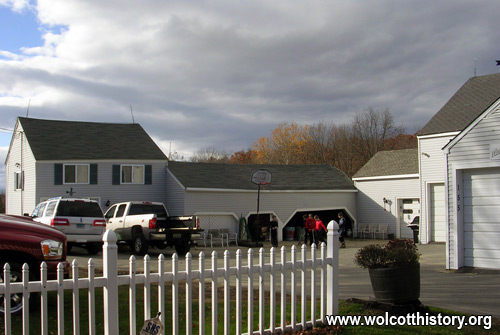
{"points": [[18, 30]]}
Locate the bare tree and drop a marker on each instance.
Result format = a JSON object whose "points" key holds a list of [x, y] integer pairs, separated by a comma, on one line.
{"points": [[372, 129], [210, 155]]}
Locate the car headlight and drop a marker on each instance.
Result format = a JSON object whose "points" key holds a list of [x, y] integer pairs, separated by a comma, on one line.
{"points": [[52, 249]]}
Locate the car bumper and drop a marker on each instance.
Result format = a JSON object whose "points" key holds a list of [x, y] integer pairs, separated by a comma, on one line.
{"points": [[83, 238]]}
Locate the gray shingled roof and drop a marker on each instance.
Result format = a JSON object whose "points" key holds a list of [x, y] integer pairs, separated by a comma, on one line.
{"points": [[284, 177], [390, 163], [468, 103], [70, 140]]}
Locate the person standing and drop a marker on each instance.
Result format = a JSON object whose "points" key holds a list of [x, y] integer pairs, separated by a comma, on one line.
{"points": [[341, 229], [320, 230], [274, 231], [310, 229]]}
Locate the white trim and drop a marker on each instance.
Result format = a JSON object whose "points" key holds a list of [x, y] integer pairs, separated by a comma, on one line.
{"points": [[451, 133], [447, 212], [400, 176], [199, 189], [218, 213], [494, 106]]}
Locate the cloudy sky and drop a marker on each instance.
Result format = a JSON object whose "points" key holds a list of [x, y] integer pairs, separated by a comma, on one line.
{"points": [[222, 74]]}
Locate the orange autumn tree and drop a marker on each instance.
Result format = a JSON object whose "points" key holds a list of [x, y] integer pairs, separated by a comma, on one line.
{"points": [[285, 146]]}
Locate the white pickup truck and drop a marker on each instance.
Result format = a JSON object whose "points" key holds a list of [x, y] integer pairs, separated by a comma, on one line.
{"points": [[142, 223]]}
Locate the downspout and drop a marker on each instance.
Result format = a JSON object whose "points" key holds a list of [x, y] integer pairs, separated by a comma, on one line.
{"points": [[447, 206], [22, 174]]}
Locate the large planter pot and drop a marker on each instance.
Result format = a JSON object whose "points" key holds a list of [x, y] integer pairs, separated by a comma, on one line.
{"points": [[398, 285]]}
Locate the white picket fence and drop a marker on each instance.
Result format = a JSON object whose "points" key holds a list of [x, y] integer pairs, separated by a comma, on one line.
{"points": [[306, 280]]}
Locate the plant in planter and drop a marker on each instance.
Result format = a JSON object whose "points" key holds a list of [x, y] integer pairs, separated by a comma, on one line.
{"points": [[394, 270]]}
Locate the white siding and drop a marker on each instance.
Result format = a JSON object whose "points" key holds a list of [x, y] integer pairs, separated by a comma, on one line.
{"points": [[175, 196], [470, 152], [370, 205], [19, 202], [104, 190], [283, 204], [432, 165]]}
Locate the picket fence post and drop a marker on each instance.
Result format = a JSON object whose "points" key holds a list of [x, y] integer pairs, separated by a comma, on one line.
{"points": [[110, 272], [332, 270]]}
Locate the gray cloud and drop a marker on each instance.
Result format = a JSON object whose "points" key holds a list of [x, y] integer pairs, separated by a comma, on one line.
{"points": [[224, 73]]}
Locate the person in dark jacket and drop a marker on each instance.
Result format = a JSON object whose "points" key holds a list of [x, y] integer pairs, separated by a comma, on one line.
{"points": [[342, 227], [274, 231]]}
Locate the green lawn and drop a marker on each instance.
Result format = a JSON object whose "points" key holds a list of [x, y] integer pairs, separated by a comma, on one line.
{"points": [[346, 308]]}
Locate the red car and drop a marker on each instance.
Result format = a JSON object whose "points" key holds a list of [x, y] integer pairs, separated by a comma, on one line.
{"points": [[24, 241]]}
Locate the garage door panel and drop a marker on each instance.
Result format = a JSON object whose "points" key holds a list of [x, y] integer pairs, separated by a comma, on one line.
{"points": [[482, 263], [482, 227], [481, 214], [482, 241], [481, 217], [486, 200]]}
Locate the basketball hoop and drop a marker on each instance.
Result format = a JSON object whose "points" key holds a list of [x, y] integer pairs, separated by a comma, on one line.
{"points": [[261, 177]]}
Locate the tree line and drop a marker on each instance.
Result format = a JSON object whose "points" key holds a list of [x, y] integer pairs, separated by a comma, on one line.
{"points": [[346, 146]]}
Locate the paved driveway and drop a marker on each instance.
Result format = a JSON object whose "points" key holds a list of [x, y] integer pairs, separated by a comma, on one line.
{"points": [[472, 292]]}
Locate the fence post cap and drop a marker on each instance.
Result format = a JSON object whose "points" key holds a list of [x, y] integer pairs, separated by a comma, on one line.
{"points": [[333, 225], [109, 236]]}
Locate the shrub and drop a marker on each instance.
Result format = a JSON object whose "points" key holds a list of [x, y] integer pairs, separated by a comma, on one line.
{"points": [[395, 253]]}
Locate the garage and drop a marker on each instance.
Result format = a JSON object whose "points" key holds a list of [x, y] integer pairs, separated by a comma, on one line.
{"points": [[481, 189]]}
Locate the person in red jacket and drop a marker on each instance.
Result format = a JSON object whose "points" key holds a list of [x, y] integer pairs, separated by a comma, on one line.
{"points": [[310, 229], [320, 230]]}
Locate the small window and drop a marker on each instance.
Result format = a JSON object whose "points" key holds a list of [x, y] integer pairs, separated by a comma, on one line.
{"points": [[38, 211], [132, 174], [120, 211], [109, 214], [50, 208], [76, 173], [19, 180]]}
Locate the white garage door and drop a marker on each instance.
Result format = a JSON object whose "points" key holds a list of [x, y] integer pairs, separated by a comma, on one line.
{"points": [[481, 218], [438, 223]]}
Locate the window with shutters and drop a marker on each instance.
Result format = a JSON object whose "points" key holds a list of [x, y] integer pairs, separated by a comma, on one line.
{"points": [[132, 174], [76, 173]]}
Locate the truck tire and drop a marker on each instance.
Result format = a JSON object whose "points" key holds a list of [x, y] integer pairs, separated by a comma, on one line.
{"points": [[94, 248], [139, 244], [16, 301], [182, 249]]}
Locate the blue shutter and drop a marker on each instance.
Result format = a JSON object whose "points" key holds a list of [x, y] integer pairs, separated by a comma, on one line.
{"points": [[148, 174], [58, 174], [116, 174], [93, 174]]}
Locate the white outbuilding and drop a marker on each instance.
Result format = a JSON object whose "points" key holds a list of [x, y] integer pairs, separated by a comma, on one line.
{"points": [[388, 192]]}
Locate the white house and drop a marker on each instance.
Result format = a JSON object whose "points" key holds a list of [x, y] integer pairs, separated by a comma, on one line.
{"points": [[388, 191], [221, 194], [460, 175], [103, 161], [119, 162]]}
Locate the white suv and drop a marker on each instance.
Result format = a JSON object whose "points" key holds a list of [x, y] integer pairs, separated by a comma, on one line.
{"points": [[81, 220]]}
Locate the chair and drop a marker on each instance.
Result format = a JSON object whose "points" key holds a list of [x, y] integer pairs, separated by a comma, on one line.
{"points": [[360, 229], [382, 230], [215, 235], [370, 229], [230, 236], [203, 238]]}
